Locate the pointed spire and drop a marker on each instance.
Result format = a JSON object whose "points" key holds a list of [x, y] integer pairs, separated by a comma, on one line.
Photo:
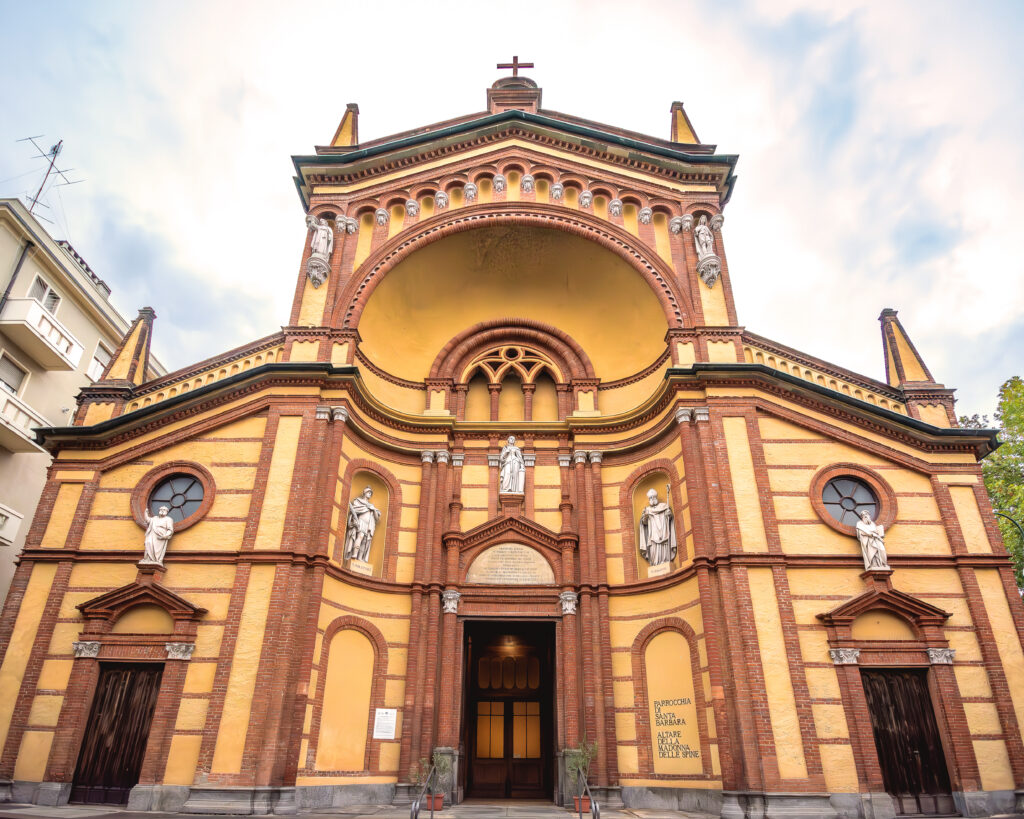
{"points": [[130, 362], [903, 364], [926, 399], [682, 128], [347, 134]]}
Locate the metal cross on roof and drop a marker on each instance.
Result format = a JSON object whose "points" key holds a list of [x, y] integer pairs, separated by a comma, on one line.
{"points": [[515, 65]]}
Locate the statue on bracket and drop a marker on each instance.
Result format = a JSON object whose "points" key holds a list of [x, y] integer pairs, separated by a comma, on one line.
{"points": [[361, 526], [871, 537], [159, 528], [657, 531], [320, 246], [709, 266], [512, 468]]}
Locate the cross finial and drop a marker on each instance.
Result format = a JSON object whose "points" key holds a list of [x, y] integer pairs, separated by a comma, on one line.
{"points": [[515, 65]]}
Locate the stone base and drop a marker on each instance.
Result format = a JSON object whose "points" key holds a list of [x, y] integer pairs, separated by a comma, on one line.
{"points": [[752, 805], [5, 790], [688, 799], [314, 797], [405, 792], [864, 805], [254, 801], [165, 798], [53, 793], [985, 803], [609, 796]]}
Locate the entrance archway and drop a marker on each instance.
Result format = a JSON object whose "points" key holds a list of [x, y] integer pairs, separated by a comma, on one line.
{"points": [[509, 709]]}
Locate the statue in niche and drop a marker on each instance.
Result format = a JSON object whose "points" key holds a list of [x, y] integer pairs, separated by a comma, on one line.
{"points": [[871, 536], [703, 238], [657, 531], [159, 528], [361, 526], [512, 467]]}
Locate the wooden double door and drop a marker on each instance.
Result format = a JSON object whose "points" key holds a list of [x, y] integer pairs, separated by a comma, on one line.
{"points": [[908, 742], [508, 718], [115, 736]]}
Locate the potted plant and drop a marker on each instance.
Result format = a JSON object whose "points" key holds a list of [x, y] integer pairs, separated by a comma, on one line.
{"points": [[577, 762], [443, 779]]}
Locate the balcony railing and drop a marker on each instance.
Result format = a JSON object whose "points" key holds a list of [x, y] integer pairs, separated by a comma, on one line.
{"points": [[17, 424], [40, 335]]}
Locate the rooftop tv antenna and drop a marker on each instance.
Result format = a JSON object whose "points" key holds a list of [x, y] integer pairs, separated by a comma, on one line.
{"points": [[51, 157]]}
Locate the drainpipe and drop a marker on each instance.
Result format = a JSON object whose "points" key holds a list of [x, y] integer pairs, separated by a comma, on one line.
{"points": [[17, 269]]}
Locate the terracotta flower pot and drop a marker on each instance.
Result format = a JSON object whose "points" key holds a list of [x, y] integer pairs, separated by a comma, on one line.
{"points": [[585, 806], [436, 798]]}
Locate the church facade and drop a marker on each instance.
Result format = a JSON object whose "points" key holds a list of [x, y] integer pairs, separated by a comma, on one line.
{"points": [[514, 486]]}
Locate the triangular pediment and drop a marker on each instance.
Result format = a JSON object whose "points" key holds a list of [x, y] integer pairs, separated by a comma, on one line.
{"points": [[503, 529], [887, 599], [113, 604]]}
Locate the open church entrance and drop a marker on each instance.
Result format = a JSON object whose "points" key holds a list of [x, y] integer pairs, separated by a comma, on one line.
{"points": [[508, 729]]}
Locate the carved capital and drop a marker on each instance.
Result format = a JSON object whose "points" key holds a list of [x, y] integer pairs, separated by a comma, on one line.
{"points": [[339, 414], [442, 456], [675, 224], [716, 222], [529, 459], [427, 456], [941, 656], [526, 184], [317, 269], [564, 460], [493, 460], [499, 183], [568, 600], [596, 457], [579, 456], [683, 415], [86, 649], [458, 459], [701, 414], [450, 601], [844, 656], [323, 413], [179, 651], [645, 215]]}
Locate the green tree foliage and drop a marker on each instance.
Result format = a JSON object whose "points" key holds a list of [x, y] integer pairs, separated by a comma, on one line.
{"points": [[1004, 469]]}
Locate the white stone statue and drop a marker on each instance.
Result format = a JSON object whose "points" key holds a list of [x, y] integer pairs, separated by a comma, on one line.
{"points": [[320, 246], [526, 184], [657, 531], [159, 528], [361, 526], [871, 536], [513, 468], [703, 238]]}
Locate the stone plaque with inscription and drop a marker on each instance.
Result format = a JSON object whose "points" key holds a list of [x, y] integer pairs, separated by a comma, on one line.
{"points": [[510, 564]]}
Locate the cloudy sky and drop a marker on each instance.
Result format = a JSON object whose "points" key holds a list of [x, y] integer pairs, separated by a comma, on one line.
{"points": [[881, 159]]}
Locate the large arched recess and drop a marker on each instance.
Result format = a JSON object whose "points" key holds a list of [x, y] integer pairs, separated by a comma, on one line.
{"points": [[519, 261]]}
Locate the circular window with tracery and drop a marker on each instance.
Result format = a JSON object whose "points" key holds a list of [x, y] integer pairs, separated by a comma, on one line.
{"points": [[184, 487], [840, 493], [182, 495], [847, 497]]}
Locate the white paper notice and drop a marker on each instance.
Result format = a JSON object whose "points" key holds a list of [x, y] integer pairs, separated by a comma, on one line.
{"points": [[384, 723]]}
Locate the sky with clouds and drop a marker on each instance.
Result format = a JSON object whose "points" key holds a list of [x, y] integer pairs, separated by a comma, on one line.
{"points": [[881, 159]]}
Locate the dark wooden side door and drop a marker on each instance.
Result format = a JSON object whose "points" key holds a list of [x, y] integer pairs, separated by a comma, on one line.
{"points": [[907, 739], [115, 736]]}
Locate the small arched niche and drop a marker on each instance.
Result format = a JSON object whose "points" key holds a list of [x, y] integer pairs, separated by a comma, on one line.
{"points": [[373, 566], [659, 482], [879, 624], [478, 399], [545, 398], [146, 618]]}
